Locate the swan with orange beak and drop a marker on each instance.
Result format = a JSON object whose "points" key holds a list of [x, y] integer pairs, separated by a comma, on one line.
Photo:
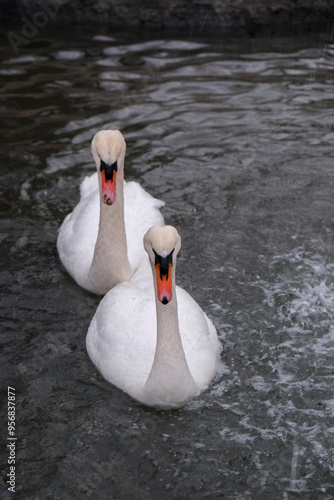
{"points": [[149, 337], [100, 242]]}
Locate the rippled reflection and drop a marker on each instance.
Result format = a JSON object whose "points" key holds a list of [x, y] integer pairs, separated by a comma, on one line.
{"points": [[236, 136]]}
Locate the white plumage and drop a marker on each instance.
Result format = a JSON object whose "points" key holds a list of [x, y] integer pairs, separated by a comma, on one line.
{"points": [[160, 353], [99, 252]]}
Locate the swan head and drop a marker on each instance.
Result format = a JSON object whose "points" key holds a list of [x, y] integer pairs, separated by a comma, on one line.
{"points": [[108, 150], [162, 245]]}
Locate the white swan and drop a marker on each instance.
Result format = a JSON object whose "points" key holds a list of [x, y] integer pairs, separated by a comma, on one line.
{"points": [[101, 242], [154, 341]]}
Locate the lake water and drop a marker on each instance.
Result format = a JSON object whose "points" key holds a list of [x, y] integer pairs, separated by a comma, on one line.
{"points": [[236, 136]]}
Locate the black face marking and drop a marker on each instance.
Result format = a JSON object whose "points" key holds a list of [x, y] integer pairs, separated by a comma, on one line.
{"points": [[163, 263], [108, 169]]}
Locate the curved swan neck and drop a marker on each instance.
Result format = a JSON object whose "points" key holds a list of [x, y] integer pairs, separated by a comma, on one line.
{"points": [[111, 246], [168, 333], [170, 377]]}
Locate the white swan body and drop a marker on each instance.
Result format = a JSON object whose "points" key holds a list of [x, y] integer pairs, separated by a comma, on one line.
{"points": [[151, 341], [100, 242]]}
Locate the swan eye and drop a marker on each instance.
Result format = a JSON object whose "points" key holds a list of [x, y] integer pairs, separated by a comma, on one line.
{"points": [[108, 169]]}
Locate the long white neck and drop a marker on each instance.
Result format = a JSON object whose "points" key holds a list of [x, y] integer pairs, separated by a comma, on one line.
{"points": [[110, 264], [170, 378]]}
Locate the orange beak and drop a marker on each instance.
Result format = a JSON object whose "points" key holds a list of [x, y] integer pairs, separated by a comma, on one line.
{"points": [[108, 189], [108, 173], [164, 284]]}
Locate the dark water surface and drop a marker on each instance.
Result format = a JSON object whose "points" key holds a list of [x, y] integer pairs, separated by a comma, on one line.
{"points": [[236, 136]]}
